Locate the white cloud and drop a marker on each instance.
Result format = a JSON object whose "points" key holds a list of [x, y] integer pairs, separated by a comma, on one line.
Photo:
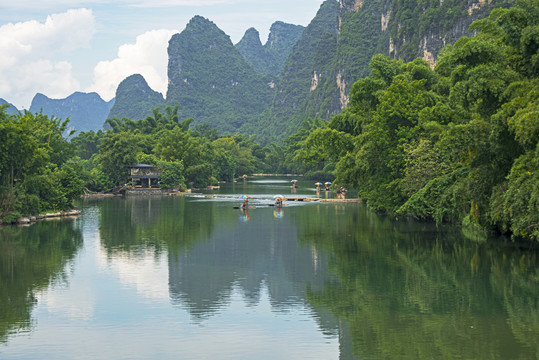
{"points": [[147, 56], [27, 49]]}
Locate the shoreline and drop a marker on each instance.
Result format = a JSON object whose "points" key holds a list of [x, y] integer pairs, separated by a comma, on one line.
{"points": [[27, 220]]}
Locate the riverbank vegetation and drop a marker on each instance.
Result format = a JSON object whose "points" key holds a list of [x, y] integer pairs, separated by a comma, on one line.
{"points": [[456, 144], [41, 170], [38, 173]]}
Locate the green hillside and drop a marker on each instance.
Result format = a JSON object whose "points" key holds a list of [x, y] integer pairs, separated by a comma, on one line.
{"points": [[135, 99], [270, 58], [211, 81], [335, 49]]}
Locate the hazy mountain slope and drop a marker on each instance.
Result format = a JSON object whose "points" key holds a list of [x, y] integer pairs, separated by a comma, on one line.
{"points": [[315, 49], [11, 109], [270, 58], [86, 111]]}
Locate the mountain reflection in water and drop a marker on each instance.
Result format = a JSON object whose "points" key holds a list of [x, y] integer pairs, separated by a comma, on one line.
{"points": [[146, 277]]}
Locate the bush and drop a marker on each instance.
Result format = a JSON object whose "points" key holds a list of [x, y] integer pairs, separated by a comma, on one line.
{"points": [[172, 174], [28, 204], [99, 181], [200, 175]]}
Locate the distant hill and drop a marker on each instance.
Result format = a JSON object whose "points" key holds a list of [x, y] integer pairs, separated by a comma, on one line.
{"points": [[86, 111], [269, 59], [135, 99], [11, 110], [210, 79]]}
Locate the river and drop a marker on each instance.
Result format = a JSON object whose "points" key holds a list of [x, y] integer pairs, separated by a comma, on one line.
{"points": [[167, 277]]}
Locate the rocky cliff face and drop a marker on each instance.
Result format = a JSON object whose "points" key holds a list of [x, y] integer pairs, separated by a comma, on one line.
{"points": [[86, 111], [328, 59], [135, 99], [210, 79], [422, 31], [253, 51], [402, 29]]}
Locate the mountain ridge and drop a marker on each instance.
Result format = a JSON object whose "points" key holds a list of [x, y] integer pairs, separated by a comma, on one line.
{"points": [[135, 86], [247, 88], [210, 79], [11, 109], [401, 29], [269, 59], [86, 111]]}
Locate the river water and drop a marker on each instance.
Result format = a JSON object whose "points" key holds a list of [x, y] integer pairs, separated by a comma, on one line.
{"points": [[191, 277]]}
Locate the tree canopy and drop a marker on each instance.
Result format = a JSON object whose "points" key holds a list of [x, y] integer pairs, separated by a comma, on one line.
{"points": [[457, 143]]}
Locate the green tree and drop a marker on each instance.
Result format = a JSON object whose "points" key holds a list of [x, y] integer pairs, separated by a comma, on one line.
{"points": [[172, 173], [35, 175], [118, 151]]}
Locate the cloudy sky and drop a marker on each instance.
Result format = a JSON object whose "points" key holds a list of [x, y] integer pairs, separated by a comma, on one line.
{"points": [[57, 47]]}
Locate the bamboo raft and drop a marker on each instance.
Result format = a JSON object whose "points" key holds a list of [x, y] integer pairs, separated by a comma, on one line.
{"points": [[341, 200], [301, 198], [306, 198]]}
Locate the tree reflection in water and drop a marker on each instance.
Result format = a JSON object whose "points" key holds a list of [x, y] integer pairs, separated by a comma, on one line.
{"points": [[31, 258], [408, 290]]}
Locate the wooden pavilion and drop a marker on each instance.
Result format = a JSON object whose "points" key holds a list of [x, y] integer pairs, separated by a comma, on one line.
{"points": [[144, 175]]}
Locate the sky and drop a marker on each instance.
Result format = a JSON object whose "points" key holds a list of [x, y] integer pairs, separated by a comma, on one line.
{"points": [[57, 47]]}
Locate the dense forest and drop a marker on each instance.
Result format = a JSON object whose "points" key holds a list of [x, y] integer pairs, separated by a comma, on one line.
{"points": [[456, 144]]}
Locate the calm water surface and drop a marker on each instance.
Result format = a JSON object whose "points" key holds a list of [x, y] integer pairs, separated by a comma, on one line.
{"points": [[193, 278]]}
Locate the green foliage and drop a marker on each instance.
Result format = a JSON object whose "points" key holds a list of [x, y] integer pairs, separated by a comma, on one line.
{"points": [[422, 165], [523, 113], [87, 143], [458, 144], [172, 174], [515, 203], [99, 180], [70, 177], [36, 174], [200, 175], [53, 190], [211, 80], [46, 189], [186, 157], [117, 152], [323, 146]]}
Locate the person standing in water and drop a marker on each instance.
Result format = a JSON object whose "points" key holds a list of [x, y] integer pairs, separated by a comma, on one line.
{"points": [[245, 202], [278, 200]]}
